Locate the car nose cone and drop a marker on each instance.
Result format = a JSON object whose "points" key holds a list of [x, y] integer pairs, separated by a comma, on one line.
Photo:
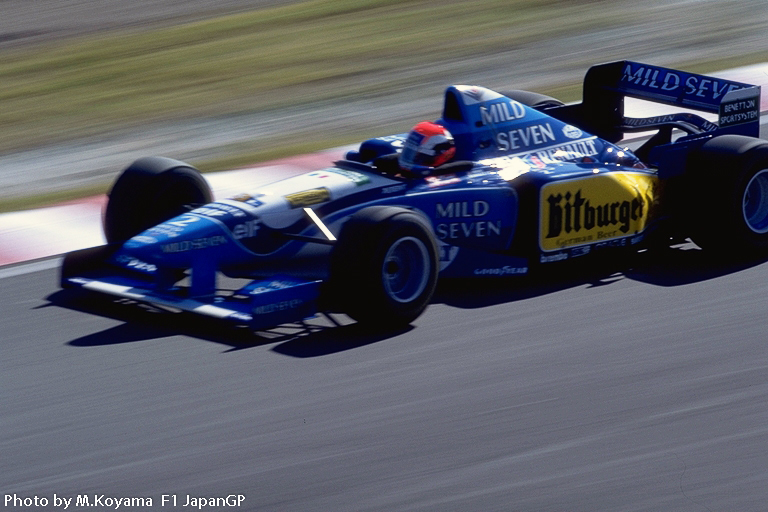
{"points": [[178, 241]]}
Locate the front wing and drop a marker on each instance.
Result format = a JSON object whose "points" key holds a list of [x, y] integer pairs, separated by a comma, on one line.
{"points": [[260, 304]]}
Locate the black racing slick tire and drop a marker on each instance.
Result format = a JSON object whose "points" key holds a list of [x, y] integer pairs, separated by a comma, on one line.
{"points": [[728, 206], [384, 267], [534, 99], [150, 191]]}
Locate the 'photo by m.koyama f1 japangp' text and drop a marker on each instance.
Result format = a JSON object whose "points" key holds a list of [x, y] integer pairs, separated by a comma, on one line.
{"points": [[106, 502]]}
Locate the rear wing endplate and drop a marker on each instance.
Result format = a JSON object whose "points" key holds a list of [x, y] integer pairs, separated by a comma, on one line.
{"points": [[606, 85]]}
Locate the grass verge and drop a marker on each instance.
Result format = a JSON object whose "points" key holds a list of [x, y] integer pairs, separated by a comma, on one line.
{"points": [[264, 59]]}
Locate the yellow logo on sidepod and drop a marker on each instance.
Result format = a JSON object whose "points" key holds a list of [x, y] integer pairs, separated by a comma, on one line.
{"points": [[595, 208]]}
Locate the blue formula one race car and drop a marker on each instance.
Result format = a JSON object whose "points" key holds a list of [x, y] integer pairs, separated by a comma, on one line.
{"points": [[499, 184]]}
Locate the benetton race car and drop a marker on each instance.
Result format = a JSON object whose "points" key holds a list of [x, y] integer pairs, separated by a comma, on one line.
{"points": [[499, 184]]}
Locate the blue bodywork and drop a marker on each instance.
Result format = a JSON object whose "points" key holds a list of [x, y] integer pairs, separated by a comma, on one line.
{"points": [[528, 187]]}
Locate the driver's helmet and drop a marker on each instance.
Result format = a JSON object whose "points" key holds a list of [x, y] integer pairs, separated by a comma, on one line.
{"points": [[429, 145]]}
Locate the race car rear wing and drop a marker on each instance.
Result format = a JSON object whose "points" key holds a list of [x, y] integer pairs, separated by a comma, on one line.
{"points": [[606, 85]]}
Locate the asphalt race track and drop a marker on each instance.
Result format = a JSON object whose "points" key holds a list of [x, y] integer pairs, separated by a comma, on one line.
{"points": [[637, 391], [584, 389], [579, 390]]}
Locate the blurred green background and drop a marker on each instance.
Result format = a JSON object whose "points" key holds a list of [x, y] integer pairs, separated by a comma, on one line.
{"points": [[265, 59], [321, 52]]}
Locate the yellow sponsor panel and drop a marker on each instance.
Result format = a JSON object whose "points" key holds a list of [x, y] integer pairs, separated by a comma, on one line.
{"points": [[309, 197], [595, 209]]}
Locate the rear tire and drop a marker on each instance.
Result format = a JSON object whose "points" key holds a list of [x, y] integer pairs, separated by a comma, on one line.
{"points": [[534, 99], [150, 191], [728, 207], [384, 267]]}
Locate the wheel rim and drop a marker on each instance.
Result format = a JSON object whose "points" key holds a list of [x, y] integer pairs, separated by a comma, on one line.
{"points": [[755, 203], [405, 270]]}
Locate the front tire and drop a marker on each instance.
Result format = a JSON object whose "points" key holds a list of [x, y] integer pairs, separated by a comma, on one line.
{"points": [[384, 267], [152, 190]]}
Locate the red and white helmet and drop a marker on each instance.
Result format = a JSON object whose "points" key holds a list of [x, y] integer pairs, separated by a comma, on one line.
{"points": [[429, 145]]}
